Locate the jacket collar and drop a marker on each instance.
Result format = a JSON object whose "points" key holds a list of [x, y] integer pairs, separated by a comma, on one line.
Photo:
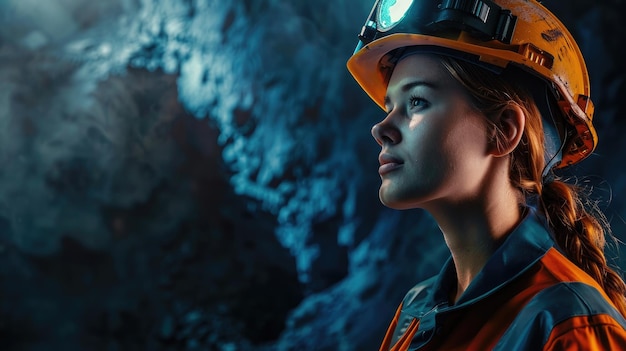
{"points": [[527, 244]]}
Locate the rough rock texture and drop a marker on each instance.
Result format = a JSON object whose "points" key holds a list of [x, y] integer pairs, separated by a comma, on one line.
{"points": [[199, 175]]}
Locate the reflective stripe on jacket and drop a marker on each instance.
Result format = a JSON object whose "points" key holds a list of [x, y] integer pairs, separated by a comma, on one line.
{"points": [[528, 296]]}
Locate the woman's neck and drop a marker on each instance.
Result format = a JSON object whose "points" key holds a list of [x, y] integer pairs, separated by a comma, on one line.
{"points": [[473, 230]]}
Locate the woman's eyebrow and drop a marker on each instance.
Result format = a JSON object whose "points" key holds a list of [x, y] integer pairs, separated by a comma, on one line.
{"points": [[412, 84]]}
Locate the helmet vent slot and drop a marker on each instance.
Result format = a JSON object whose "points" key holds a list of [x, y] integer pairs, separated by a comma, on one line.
{"points": [[536, 55]]}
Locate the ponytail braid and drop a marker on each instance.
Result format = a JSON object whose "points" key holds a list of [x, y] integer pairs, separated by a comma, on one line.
{"points": [[579, 226], [579, 229]]}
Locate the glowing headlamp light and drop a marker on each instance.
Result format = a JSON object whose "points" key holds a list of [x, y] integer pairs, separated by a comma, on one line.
{"points": [[391, 12], [483, 19]]}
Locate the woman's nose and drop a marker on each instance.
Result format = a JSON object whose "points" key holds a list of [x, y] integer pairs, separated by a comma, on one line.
{"points": [[384, 132]]}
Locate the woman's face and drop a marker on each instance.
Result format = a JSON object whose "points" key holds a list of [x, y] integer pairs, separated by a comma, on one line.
{"points": [[434, 142]]}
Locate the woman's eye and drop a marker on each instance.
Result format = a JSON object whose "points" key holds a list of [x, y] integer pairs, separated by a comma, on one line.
{"points": [[418, 102]]}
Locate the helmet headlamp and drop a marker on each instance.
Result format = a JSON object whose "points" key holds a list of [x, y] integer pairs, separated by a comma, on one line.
{"points": [[483, 18], [391, 12]]}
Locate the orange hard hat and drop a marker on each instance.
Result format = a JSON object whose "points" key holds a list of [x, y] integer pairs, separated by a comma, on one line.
{"points": [[493, 33]]}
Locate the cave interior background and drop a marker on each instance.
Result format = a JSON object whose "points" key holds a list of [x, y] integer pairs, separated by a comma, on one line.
{"points": [[199, 175]]}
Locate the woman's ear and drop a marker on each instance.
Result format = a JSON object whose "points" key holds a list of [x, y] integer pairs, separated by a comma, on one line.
{"points": [[508, 130]]}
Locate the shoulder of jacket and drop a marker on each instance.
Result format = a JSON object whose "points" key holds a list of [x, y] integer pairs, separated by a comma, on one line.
{"points": [[532, 327], [567, 299]]}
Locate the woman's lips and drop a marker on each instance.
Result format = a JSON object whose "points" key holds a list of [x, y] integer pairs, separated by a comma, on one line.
{"points": [[388, 163]]}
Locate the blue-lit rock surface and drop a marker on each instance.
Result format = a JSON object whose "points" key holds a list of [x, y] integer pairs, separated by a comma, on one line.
{"points": [[199, 175]]}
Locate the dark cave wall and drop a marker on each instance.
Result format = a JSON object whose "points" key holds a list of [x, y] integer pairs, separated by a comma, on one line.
{"points": [[200, 175]]}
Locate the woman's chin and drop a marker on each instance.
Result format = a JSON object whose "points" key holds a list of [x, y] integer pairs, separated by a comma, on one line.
{"points": [[395, 203], [401, 200]]}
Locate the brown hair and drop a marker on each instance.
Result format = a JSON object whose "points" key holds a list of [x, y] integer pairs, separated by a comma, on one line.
{"points": [[578, 225]]}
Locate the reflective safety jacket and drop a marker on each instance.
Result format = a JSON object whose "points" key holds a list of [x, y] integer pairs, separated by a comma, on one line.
{"points": [[528, 296]]}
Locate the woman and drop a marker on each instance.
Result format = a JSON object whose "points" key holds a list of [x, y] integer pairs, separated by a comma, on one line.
{"points": [[484, 100]]}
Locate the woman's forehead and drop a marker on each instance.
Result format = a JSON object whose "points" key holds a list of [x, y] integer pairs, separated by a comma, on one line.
{"points": [[423, 68]]}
